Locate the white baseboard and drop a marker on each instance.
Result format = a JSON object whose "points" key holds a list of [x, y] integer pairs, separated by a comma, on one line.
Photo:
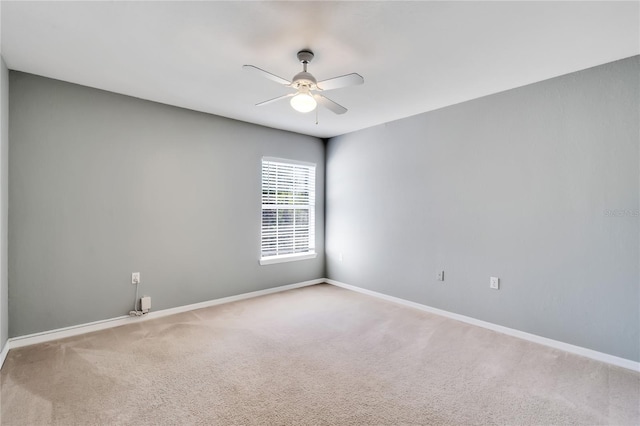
{"points": [[3, 353], [578, 350], [61, 333]]}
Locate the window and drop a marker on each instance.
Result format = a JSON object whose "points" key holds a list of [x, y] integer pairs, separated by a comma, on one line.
{"points": [[288, 211]]}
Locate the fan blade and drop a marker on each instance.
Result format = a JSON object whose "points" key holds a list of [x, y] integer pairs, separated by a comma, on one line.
{"points": [[275, 99], [266, 74], [352, 79], [329, 104]]}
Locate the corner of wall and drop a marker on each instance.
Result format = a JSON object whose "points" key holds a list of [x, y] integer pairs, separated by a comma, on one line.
{"points": [[325, 144], [4, 191]]}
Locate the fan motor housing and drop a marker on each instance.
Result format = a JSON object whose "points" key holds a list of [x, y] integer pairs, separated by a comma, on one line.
{"points": [[304, 79]]}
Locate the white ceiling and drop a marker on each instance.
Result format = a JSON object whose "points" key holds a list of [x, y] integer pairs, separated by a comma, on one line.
{"points": [[414, 56]]}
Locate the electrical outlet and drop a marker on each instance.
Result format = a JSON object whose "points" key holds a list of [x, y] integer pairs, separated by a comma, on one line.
{"points": [[440, 275], [340, 258], [494, 283], [135, 278]]}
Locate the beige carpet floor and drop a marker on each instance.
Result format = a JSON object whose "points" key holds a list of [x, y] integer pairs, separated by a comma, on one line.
{"points": [[318, 355]]}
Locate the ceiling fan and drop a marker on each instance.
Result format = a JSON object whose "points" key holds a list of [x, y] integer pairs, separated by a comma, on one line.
{"points": [[306, 97]]}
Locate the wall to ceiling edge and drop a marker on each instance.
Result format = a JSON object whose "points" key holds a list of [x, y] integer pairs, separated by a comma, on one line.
{"points": [[538, 186], [102, 185]]}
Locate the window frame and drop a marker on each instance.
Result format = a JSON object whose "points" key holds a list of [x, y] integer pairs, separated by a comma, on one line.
{"points": [[311, 207]]}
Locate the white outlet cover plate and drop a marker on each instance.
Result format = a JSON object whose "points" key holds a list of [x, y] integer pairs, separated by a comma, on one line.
{"points": [[135, 278], [494, 283]]}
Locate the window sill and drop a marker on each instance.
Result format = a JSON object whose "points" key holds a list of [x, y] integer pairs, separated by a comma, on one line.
{"points": [[287, 258]]}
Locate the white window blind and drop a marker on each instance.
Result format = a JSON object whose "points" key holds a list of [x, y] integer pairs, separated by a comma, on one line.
{"points": [[288, 209]]}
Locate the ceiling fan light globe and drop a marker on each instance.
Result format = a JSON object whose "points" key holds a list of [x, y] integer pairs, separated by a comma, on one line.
{"points": [[303, 102]]}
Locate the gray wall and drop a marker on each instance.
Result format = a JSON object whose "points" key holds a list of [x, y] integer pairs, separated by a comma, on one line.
{"points": [[4, 195], [515, 185], [102, 185]]}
